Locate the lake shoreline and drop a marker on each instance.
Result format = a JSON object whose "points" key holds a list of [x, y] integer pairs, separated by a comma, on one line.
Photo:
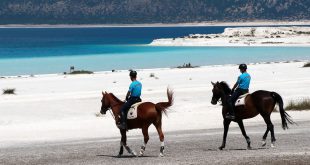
{"points": [[250, 23]]}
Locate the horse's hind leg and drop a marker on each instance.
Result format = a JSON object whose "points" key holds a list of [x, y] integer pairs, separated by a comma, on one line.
{"points": [[161, 138], [273, 139], [248, 140], [146, 139], [264, 137], [271, 129]]}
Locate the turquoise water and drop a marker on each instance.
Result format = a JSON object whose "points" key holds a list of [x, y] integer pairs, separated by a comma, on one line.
{"points": [[48, 50]]}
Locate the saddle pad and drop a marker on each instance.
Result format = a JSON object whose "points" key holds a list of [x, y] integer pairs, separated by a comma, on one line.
{"points": [[241, 100], [132, 113]]}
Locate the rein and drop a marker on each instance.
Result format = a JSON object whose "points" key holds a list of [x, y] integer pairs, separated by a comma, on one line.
{"points": [[110, 110], [112, 114]]}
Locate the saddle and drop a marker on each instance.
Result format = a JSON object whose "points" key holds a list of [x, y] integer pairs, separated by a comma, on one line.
{"points": [[133, 111], [241, 100]]}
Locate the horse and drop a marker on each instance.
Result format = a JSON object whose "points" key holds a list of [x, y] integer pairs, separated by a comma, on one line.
{"points": [[259, 102], [147, 113]]}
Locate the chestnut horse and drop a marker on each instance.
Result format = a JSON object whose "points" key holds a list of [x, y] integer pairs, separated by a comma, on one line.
{"points": [[260, 102], [147, 113]]}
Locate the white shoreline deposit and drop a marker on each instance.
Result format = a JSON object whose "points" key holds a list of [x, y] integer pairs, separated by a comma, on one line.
{"points": [[244, 36], [62, 107]]}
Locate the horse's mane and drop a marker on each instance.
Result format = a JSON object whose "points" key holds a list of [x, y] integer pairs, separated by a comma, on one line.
{"points": [[225, 87], [115, 98]]}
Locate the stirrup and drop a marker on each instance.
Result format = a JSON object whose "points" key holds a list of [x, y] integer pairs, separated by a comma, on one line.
{"points": [[230, 116], [122, 126]]}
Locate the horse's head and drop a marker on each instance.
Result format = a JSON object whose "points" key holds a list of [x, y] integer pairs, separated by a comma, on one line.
{"points": [[219, 89], [105, 104], [216, 93]]}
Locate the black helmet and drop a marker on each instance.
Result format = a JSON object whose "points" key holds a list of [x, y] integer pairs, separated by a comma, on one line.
{"points": [[243, 66], [133, 73]]}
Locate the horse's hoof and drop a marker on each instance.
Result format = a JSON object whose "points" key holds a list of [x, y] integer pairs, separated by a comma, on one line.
{"points": [[99, 114], [161, 154], [141, 153], [221, 148], [134, 154], [119, 155], [272, 145], [249, 147], [264, 143]]}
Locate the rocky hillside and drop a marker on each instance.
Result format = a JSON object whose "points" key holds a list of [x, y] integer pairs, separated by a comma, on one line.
{"points": [[149, 11]]}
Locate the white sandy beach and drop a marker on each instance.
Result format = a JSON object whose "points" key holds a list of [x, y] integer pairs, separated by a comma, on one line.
{"points": [[58, 107]]}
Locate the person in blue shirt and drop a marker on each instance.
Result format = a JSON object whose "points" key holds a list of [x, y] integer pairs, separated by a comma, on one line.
{"points": [[242, 86], [132, 97]]}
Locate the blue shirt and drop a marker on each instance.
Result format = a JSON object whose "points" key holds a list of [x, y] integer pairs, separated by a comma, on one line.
{"points": [[135, 89], [244, 81]]}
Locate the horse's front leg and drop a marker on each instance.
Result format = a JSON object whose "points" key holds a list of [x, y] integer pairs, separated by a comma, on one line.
{"points": [[124, 144], [121, 150], [248, 140], [226, 127]]}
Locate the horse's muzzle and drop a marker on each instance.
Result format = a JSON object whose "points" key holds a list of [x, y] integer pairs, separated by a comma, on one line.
{"points": [[213, 102]]}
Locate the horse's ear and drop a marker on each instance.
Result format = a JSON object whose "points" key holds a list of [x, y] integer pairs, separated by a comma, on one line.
{"points": [[105, 92], [212, 83], [102, 93]]}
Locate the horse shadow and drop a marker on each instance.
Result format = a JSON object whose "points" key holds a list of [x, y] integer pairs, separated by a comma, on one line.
{"points": [[236, 149], [125, 156]]}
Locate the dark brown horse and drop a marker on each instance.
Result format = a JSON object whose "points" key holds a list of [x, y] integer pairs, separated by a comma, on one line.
{"points": [[147, 113], [260, 102]]}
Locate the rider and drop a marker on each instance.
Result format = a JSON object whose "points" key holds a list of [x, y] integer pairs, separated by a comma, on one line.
{"points": [[132, 97], [242, 86]]}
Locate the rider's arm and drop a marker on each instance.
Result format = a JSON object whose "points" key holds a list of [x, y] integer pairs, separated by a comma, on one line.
{"points": [[129, 91], [235, 86], [127, 95]]}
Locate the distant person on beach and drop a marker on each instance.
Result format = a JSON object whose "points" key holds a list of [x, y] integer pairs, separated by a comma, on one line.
{"points": [[132, 97], [242, 86]]}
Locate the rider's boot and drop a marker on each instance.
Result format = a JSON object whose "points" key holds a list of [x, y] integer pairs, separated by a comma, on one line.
{"points": [[122, 124], [231, 113]]}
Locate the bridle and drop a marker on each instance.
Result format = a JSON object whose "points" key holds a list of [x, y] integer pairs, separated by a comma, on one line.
{"points": [[218, 99], [219, 96], [110, 109]]}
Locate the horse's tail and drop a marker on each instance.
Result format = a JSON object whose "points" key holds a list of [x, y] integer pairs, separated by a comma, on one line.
{"points": [[162, 106], [286, 118]]}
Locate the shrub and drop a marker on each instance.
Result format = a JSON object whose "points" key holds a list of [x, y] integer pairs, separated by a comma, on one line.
{"points": [[307, 64], [304, 104], [189, 65], [81, 72], [152, 75], [9, 91]]}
